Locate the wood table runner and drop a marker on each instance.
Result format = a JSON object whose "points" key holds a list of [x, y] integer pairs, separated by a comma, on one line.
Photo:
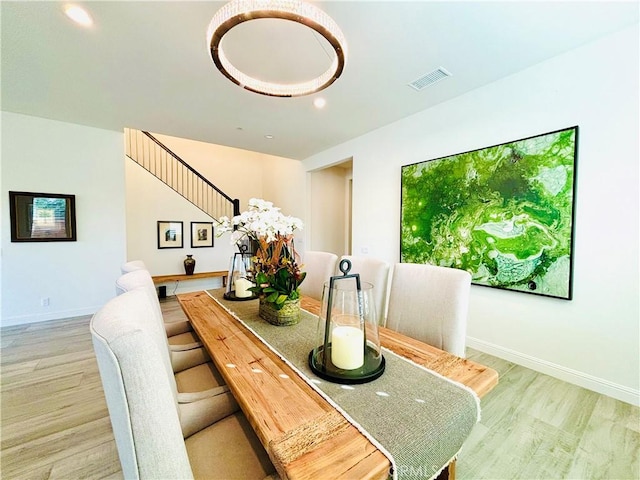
{"points": [[419, 417]]}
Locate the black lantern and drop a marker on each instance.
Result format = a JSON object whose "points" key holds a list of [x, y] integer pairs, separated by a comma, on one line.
{"points": [[240, 277], [348, 348]]}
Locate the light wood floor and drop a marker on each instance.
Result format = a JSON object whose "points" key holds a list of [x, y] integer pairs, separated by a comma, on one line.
{"points": [[55, 424]]}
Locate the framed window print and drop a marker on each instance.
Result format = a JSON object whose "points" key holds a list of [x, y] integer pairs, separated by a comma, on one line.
{"points": [[42, 217], [169, 234], [201, 234]]}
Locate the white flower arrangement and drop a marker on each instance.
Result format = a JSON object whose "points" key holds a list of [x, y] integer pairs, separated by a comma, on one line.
{"points": [[276, 263], [261, 221]]}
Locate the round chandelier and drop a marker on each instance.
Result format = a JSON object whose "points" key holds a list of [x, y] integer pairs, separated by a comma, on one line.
{"points": [[239, 11]]}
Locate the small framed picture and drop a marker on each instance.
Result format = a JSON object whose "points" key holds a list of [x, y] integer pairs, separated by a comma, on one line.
{"points": [[201, 234], [169, 234], [42, 217]]}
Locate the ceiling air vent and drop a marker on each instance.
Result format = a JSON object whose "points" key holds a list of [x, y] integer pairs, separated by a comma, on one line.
{"points": [[429, 79]]}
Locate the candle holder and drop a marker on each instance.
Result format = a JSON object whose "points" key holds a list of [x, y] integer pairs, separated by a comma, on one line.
{"points": [[240, 275], [348, 348]]}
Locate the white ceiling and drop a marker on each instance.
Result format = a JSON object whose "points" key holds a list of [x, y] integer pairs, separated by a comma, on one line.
{"points": [[146, 64]]}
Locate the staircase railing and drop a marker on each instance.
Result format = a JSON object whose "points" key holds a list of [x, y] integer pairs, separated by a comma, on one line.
{"points": [[148, 152]]}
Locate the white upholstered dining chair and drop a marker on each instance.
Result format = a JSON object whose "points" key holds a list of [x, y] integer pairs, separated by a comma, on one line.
{"points": [[191, 363], [195, 375], [375, 272], [431, 304], [174, 327], [183, 341], [132, 266], [319, 266], [155, 437]]}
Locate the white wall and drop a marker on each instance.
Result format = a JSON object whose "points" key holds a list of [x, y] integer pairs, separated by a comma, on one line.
{"points": [[328, 211], [149, 201], [78, 277], [592, 340], [46, 156], [283, 182], [239, 173]]}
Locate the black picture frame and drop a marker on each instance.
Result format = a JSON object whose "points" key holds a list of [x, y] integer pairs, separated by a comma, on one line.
{"points": [[201, 234], [42, 217], [170, 234]]}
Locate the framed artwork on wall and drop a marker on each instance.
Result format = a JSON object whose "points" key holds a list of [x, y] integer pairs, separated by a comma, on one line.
{"points": [[201, 234], [503, 213], [42, 217], [169, 234]]}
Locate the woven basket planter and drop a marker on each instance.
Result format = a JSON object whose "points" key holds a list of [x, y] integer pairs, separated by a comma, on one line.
{"points": [[289, 314]]}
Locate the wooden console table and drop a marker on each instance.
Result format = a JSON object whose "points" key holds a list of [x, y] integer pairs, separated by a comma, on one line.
{"points": [[181, 277]]}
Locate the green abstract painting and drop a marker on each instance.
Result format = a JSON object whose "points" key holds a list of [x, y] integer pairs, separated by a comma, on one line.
{"points": [[503, 213]]}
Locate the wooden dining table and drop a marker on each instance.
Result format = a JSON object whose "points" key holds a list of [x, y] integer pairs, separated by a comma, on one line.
{"points": [[305, 436]]}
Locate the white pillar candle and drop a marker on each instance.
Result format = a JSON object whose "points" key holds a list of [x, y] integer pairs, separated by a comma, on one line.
{"points": [[242, 288], [347, 347]]}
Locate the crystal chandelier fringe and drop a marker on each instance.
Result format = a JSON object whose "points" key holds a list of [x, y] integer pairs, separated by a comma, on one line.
{"points": [[239, 11]]}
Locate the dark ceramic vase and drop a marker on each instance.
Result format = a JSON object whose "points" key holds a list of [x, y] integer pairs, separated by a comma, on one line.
{"points": [[189, 264]]}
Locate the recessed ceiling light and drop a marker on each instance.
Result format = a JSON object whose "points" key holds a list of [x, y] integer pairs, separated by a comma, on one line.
{"points": [[78, 15], [269, 137], [319, 102]]}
